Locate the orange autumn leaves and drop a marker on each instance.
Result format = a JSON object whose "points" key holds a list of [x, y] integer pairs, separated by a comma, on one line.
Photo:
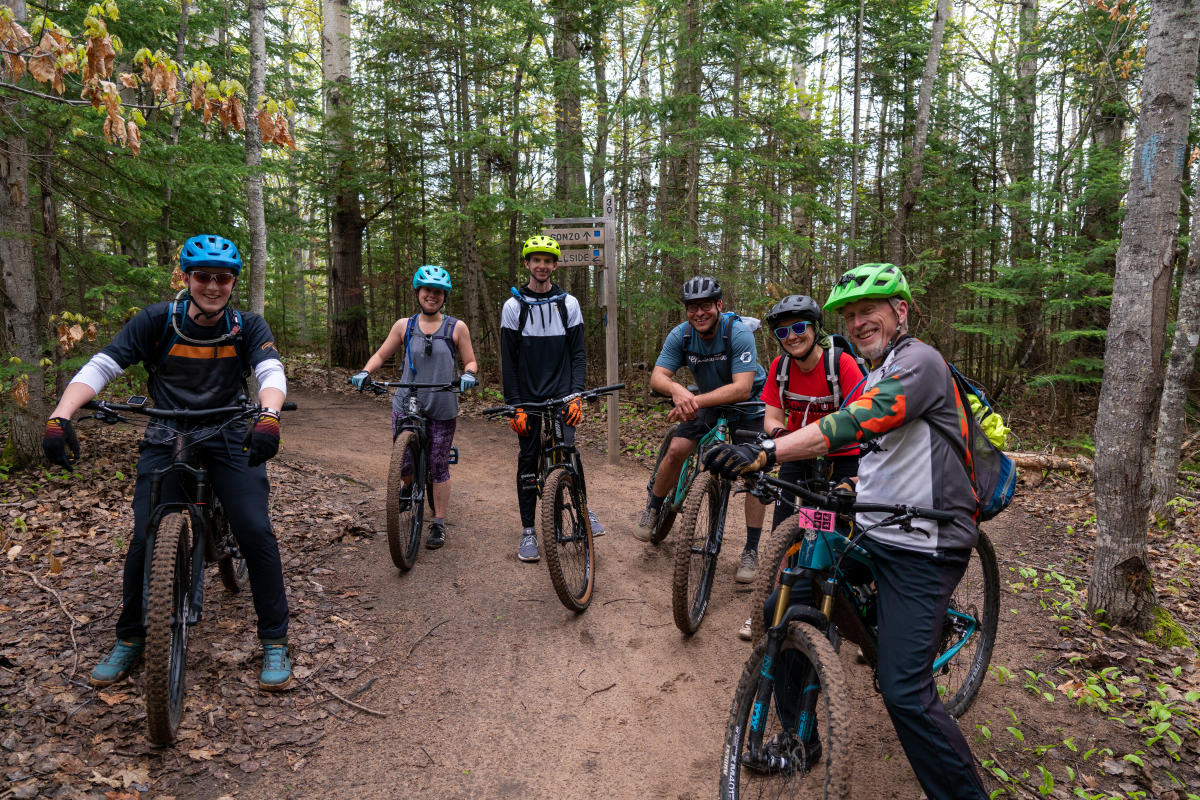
{"points": [[93, 56]]}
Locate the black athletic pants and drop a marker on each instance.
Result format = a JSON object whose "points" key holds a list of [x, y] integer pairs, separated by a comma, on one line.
{"points": [[527, 466], [243, 491]]}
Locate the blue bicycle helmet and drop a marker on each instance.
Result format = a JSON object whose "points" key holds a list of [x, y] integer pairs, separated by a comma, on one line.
{"points": [[431, 277], [210, 251]]}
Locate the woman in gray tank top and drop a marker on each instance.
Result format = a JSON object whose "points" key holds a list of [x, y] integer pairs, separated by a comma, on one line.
{"points": [[429, 343]]}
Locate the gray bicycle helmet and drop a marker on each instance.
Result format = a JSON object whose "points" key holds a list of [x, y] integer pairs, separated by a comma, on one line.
{"points": [[794, 305], [700, 287]]}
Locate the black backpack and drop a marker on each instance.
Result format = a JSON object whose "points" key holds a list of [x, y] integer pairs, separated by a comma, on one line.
{"points": [[833, 353]]}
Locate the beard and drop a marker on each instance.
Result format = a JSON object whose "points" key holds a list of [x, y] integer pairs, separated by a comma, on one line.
{"points": [[875, 352]]}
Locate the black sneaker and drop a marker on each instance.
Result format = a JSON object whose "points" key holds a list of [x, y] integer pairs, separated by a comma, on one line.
{"points": [[437, 536], [785, 754]]}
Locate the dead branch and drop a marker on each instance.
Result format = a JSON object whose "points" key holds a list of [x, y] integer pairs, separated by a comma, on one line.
{"points": [[69, 615], [351, 703], [598, 691], [1047, 461], [427, 634]]}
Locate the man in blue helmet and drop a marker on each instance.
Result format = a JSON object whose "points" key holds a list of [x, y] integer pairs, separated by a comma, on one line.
{"points": [[185, 346], [429, 341]]}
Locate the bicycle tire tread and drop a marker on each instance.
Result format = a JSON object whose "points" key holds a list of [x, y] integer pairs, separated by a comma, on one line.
{"points": [[169, 546], [682, 607]]}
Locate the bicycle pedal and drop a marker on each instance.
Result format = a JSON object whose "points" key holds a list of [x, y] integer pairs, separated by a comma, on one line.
{"points": [[453, 459]]}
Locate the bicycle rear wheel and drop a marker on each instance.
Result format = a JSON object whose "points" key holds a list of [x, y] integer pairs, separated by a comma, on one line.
{"points": [[782, 546], [167, 627], [231, 566], [696, 553], [974, 610], [567, 540], [667, 514], [405, 501], [754, 733]]}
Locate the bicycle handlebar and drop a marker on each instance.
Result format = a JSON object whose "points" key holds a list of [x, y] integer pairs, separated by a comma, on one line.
{"points": [[586, 394], [845, 504], [741, 405], [114, 409], [381, 387]]}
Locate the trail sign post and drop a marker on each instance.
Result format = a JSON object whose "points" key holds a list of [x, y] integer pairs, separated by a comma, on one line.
{"points": [[592, 241]]}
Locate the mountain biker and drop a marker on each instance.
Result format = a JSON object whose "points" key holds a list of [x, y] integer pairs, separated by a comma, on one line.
{"points": [[720, 351], [810, 379], [198, 352], [542, 357], [429, 341], [909, 398]]}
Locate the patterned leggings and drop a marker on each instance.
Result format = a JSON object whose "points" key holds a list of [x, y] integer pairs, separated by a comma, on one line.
{"points": [[441, 436]]}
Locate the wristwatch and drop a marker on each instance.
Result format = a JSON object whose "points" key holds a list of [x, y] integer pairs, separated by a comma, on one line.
{"points": [[768, 447]]}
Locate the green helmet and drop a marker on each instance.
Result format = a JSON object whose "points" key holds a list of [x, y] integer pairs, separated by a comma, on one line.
{"points": [[868, 280]]}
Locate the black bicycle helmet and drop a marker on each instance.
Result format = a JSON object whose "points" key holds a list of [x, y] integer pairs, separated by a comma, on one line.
{"points": [[794, 305], [700, 287]]}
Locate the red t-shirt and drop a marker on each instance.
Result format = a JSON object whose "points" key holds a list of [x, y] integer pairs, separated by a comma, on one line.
{"points": [[813, 384]]}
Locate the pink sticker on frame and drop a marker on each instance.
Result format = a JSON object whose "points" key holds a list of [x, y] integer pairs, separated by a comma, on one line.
{"points": [[817, 519]]}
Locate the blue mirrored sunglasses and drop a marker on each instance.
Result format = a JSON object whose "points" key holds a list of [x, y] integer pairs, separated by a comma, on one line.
{"points": [[797, 328]]}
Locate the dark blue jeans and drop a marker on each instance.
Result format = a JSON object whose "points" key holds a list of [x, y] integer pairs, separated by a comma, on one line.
{"points": [[914, 591], [243, 491]]}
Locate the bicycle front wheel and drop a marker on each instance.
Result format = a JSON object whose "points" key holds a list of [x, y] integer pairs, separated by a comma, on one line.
{"points": [[696, 556], [667, 514], [970, 626], [771, 748], [405, 501], [567, 540], [782, 547], [167, 627]]}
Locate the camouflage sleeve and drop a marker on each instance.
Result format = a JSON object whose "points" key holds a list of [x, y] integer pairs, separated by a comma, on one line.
{"points": [[880, 409]]}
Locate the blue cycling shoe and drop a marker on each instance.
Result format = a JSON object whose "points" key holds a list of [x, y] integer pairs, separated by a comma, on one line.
{"points": [[119, 661], [276, 672]]}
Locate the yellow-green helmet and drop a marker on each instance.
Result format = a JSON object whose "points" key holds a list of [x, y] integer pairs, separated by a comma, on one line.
{"points": [[541, 244], [868, 280]]}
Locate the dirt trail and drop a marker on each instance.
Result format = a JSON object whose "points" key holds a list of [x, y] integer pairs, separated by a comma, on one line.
{"points": [[492, 688]]}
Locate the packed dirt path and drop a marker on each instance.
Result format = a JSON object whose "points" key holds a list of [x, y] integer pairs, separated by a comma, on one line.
{"points": [[491, 688]]}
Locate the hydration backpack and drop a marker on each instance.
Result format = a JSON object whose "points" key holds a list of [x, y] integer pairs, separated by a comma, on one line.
{"points": [[993, 473], [170, 335], [560, 300], [833, 354], [445, 333]]}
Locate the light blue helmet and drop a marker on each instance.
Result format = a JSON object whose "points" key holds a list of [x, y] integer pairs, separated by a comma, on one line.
{"points": [[210, 251], [431, 277]]}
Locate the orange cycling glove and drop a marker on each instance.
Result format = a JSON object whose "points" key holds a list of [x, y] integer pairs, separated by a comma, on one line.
{"points": [[574, 414], [520, 422]]}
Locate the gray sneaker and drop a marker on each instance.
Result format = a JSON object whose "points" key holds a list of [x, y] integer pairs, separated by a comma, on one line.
{"points": [[647, 520], [597, 528], [528, 551], [745, 573]]}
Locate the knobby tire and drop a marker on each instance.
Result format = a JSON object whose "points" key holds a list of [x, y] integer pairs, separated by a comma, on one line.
{"points": [[404, 514], [830, 778], [782, 544], [977, 594], [166, 628], [567, 541], [695, 553]]}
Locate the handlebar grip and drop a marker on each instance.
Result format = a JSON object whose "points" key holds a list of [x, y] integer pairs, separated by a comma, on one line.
{"points": [[606, 389], [289, 406], [91, 405], [935, 514]]}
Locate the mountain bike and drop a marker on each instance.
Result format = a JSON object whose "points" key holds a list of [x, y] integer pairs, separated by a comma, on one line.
{"points": [[566, 530], [181, 537], [409, 483], [791, 704], [703, 499]]}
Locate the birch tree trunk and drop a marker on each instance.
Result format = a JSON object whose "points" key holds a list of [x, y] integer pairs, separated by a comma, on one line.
{"points": [[1165, 469], [24, 323], [1121, 582], [896, 246], [256, 216]]}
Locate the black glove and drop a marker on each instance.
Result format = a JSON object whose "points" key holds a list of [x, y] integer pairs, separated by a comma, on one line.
{"points": [[262, 440], [731, 460], [59, 442]]}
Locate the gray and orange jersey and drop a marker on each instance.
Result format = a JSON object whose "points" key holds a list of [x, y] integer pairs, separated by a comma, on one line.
{"points": [[905, 460]]}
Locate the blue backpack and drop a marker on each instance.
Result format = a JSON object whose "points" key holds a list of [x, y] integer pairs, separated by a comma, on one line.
{"points": [[993, 473]]}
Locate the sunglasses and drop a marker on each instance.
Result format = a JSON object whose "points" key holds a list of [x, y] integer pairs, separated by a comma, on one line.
{"points": [[797, 328], [219, 278]]}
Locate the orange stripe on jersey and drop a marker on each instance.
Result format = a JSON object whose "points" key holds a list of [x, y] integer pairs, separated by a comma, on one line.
{"points": [[192, 351]]}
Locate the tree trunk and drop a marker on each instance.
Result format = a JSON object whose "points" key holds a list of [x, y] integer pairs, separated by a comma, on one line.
{"points": [[916, 157], [166, 242], [852, 253], [256, 216], [1122, 584], [347, 314], [678, 195], [24, 324], [1165, 469]]}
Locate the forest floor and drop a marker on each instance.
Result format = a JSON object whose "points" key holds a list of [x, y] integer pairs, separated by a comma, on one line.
{"points": [[466, 678]]}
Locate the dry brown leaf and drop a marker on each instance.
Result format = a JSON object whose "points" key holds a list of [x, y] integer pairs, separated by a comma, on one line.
{"points": [[117, 794], [112, 699], [100, 57], [197, 95], [20, 393], [55, 565], [135, 137], [129, 80]]}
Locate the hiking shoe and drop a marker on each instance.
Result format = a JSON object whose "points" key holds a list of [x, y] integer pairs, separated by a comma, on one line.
{"points": [[785, 754], [745, 573], [597, 528], [276, 672], [528, 550], [437, 536], [119, 661], [647, 522], [746, 631]]}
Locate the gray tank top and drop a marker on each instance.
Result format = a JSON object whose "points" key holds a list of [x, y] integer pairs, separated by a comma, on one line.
{"points": [[429, 359]]}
